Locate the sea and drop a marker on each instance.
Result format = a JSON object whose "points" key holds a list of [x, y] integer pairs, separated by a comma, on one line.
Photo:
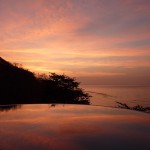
{"points": [[109, 95]]}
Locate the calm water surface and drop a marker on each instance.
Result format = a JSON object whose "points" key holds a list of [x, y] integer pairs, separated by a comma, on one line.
{"points": [[73, 127], [108, 95]]}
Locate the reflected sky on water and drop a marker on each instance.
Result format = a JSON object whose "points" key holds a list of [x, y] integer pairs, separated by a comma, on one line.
{"points": [[73, 127], [108, 95]]}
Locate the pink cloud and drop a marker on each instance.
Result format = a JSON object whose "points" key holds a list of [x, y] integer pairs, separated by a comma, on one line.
{"points": [[62, 35]]}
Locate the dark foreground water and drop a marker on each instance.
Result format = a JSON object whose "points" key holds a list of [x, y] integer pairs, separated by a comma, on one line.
{"points": [[108, 95], [72, 127]]}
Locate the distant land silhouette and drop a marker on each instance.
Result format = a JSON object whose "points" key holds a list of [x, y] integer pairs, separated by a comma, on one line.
{"points": [[21, 86]]}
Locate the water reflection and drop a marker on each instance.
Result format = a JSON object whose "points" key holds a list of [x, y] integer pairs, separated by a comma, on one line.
{"points": [[73, 127], [108, 95], [9, 107]]}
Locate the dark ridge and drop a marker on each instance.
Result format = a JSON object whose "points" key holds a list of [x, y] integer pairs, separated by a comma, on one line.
{"points": [[21, 86]]}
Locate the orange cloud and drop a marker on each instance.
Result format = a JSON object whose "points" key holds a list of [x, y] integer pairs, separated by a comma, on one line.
{"points": [[67, 36]]}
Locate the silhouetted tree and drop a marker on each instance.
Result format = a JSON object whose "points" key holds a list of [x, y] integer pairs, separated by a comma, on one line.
{"points": [[19, 85], [137, 107], [64, 89]]}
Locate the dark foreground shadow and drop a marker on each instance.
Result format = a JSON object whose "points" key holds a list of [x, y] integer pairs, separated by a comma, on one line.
{"points": [[9, 107]]}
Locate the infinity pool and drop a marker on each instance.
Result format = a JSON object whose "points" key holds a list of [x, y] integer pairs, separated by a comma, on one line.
{"points": [[72, 127]]}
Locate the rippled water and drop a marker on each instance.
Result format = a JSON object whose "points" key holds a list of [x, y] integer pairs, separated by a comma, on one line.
{"points": [[108, 95]]}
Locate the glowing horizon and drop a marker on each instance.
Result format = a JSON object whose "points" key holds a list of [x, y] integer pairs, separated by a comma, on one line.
{"points": [[81, 38]]}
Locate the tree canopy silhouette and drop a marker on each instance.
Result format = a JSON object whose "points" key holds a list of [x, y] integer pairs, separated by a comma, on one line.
{"points": [[64, 88], [19, 85]]}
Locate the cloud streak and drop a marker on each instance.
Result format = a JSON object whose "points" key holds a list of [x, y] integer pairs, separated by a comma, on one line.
{"points": [[69, 36]]}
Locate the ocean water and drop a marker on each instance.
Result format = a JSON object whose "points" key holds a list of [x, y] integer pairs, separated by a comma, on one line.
{"points": [[109, 95]]}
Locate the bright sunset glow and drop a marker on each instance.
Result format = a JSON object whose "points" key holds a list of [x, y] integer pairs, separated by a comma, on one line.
{"points": [[94, 40]]}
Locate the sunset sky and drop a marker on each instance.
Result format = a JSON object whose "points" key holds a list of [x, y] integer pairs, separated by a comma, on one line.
{"points": [[97, 41]]}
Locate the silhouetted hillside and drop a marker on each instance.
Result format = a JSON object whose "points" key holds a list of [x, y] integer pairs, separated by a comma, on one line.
{"points": [[18, 85]]}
